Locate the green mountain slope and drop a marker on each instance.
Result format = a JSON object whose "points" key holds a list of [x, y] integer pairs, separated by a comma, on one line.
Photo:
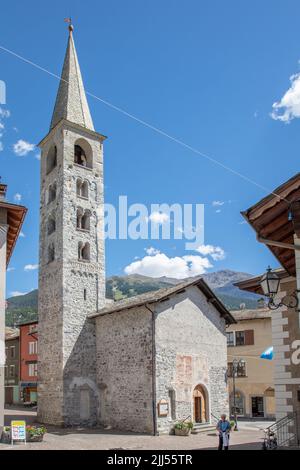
{"points": [[24, 307]]}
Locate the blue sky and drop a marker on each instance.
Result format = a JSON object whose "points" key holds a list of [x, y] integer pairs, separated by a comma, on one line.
{"points": [[207, 72]]}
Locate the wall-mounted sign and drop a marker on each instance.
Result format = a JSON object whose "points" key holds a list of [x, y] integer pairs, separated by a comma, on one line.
{"points": [[18, 431], [163, 408]]}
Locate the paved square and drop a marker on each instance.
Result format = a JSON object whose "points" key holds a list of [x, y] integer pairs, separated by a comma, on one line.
{"points": [[248, 437]]}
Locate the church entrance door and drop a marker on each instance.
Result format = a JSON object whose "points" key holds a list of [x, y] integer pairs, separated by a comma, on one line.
{"points": [[200, 405]]}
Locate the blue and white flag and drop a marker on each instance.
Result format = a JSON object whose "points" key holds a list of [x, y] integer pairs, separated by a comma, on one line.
{"points": [[267, 354]]}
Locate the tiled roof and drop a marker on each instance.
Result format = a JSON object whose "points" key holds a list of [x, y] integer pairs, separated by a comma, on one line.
{"points": [[164, 294]]}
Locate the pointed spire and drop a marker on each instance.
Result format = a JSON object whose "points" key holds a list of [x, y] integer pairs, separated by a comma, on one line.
{"points": [[71, 102]]}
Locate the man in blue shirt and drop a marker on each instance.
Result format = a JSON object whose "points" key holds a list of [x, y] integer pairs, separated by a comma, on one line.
{"points": [[224, 429]]}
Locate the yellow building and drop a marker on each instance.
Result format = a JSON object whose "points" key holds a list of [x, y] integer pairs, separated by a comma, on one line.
{"points": [[246, 340]]}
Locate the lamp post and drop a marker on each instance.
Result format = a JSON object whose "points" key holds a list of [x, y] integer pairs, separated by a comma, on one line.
{"points": [[237, 365], [270, 284]]}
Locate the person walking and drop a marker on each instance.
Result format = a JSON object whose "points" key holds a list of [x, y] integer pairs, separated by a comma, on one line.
{"points": [[224, 429]]}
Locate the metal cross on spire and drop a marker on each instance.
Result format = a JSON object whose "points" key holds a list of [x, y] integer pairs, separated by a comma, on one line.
{"points": [[69, 20]]}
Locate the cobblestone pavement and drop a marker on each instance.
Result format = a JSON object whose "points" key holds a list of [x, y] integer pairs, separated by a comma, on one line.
{"points": [[84, 439]]}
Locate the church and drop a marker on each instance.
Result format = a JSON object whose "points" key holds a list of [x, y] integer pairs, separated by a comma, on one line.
{"points": [[139, 364]]}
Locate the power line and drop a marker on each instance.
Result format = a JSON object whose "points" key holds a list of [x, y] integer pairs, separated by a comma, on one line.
{"points": [[150, 126]]}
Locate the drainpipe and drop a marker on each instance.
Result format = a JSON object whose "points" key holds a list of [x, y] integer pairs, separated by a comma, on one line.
{"points": [[153, 372]]}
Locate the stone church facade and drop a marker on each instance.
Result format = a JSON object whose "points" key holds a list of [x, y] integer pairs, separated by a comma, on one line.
{"points": [[139, 364]]}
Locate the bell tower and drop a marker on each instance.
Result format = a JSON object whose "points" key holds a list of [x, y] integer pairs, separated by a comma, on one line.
{"points": [[71, 256]]}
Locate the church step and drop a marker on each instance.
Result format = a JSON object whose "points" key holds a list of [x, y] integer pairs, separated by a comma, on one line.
{"points": [[205, 427]]}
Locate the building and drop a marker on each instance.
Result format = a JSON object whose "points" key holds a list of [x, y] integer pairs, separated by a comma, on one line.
{"points": [[247, 340], [28, 361], [136, 365], [276, 222], [12, 370], [11, 221], [161, 357]]}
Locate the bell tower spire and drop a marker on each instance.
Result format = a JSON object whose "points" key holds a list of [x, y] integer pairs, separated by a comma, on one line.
{"points": [[71, 274], [71, 103]]}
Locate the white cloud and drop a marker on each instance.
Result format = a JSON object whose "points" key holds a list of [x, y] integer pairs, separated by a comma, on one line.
{"points": [[31, 267], [177, 267], [218, 211], [18, 197], [218, 203], [288, 107], [10, 269], [22, 147], [158, 217], [22, 235], [151, 251], [1, 147], [15, 293], [216, 252], [38, 156]]}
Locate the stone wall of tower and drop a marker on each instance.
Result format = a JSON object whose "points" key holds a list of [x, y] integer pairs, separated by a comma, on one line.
{"points": [[69, 288]]}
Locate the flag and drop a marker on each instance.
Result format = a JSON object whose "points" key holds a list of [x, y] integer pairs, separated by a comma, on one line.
{"points": [[67, 20], [267, 354]]}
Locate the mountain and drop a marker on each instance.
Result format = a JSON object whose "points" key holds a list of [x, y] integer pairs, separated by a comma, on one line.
{"points": [[24, 307]]}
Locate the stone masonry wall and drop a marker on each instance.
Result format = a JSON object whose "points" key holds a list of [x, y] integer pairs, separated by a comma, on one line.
{"points": [[191, 350], [124, 370], [70, 289]]}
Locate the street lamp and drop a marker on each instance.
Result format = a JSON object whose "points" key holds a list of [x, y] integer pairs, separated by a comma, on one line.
{"points": [[237, 366], [270, 284]]}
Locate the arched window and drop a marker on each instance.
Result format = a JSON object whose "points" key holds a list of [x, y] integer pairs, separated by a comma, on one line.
{"points": [[85, 221], [82, 188], [78, 187], [51, 161], [80, 156], [51, 224], [52, 192], [85, 190], [83, 153], [79, 216], [51, 253], [84, 251]]}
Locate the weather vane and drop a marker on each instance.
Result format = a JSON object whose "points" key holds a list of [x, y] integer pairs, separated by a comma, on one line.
{"points": [[69, 20]]}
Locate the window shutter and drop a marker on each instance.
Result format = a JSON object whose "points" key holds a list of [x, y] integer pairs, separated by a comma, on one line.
{"points": [[249, 337]]}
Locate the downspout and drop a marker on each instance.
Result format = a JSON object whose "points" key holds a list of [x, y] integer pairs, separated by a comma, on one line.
{"points": [[153, 372]]}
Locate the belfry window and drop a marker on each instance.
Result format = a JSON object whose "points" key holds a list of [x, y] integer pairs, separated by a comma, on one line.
{"points": [[80, 156], [51, 161], [51, 253], [84, 251], [51, 225], [83, 154]]}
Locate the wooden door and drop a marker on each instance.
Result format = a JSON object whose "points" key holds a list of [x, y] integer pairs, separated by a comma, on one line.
{"points": [[199, 406], [198, 409]]}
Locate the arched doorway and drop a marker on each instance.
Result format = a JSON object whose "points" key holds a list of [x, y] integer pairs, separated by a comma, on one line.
{"points": [[200, 400]]}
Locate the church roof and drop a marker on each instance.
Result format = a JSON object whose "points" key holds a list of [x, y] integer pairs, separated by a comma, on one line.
{"points": [[71, 103], [163, 294]]}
